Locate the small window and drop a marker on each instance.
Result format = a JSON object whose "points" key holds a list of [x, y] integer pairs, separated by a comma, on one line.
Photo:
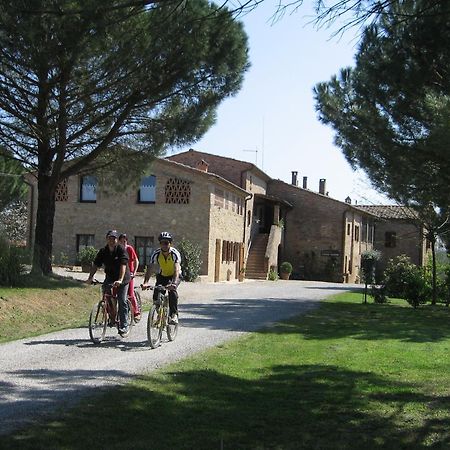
{"points": [[349, 229], [88, 189], [85, 240], [390, 239], [147, 190], [249, 218], [356, 233]]}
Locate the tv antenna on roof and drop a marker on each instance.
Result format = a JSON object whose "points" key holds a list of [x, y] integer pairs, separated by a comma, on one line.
{"points": [[253, 151]]}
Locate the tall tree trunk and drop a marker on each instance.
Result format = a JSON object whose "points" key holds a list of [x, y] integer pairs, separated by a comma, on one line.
{"points": [[43, 239], [433, 259]]}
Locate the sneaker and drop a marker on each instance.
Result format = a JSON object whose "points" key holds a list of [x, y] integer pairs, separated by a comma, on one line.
{"points": [[173, 319], [137, 317], [123, 331]]}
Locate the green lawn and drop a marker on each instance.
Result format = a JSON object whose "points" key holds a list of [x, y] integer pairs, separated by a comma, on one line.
{"points": [[43, 305], [345, 376]]}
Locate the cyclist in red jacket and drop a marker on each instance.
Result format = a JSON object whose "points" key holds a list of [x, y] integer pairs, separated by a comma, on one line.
{"points": [[133, 264]]}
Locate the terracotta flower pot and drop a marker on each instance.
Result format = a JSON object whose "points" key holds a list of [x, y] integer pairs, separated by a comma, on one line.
{"points": [[285, 275]]}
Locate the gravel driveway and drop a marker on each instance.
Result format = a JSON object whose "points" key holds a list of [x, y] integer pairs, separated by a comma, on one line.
{"points": [[39, 375]]}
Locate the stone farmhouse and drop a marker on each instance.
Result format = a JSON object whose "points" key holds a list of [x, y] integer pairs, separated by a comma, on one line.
{"points": [[397, 232], [245, 222], [189, 202], [321, 237]]}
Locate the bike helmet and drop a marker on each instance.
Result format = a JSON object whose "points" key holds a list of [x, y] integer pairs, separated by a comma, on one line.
{"points": [[165, 236]]}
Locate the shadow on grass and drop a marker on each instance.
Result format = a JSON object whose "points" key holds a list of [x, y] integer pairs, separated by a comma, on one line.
{"points": [[291, 407], [374, 322], [52, 281]]}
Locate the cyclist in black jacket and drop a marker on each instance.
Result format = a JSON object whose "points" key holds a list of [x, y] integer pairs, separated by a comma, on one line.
{"points": [[117, 273]]}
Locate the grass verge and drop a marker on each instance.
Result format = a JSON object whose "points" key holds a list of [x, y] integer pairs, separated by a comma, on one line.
{"points": [[344, 376], [43, 305]]}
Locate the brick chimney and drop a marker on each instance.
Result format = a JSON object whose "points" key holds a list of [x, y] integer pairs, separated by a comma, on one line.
{"points": [[322, 185], [202, 165], [305, 182], [294, 178]]}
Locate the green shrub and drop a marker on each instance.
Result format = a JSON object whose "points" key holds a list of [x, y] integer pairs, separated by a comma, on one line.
{"points": [[191, 261], [396, 275], [87, 255], [11, 264], [403, 279], [286, 267], [273, 275], [417, 290], [378, 293]]}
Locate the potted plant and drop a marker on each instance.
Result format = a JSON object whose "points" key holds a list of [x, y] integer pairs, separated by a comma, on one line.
{"points": [[86, 257], [285, 270]]}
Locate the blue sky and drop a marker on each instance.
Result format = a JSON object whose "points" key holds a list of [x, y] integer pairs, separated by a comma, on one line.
{"points": [[274, 111]]}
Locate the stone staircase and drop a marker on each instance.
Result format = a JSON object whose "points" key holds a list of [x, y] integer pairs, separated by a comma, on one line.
{"points": [[256, 267]]}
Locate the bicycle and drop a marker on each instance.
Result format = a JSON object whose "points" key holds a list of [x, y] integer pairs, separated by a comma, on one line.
{"points": [[105, 313], [158, 318]]}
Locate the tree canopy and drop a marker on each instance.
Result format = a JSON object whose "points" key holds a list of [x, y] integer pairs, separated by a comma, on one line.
{"points": [[78, 80], [391, 112], [12, 186]]}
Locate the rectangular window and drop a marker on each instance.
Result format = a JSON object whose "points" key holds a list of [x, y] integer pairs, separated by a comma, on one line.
{"points": [[357, 233], [390, 239], [349, 229], [88, 189], [85, 240], [144, 246], [147, 190], [218, 198], [364, 230]]}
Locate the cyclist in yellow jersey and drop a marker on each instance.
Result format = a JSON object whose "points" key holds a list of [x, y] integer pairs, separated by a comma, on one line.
{"points": [[166, 263]]}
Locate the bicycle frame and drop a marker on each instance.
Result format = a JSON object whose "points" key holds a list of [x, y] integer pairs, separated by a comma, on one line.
{"points": [[105, 313], [158, 318]]}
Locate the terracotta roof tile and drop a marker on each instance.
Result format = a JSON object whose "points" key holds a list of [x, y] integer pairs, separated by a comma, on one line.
{"points": [[389, 211]]}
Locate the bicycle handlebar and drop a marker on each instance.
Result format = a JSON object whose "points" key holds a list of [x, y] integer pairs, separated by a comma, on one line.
{"points": [[152, 288]]}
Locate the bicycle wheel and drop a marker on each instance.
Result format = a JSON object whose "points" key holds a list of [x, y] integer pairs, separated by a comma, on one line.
{"points": [[98, 321], [172, 330], [154, 326]]}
